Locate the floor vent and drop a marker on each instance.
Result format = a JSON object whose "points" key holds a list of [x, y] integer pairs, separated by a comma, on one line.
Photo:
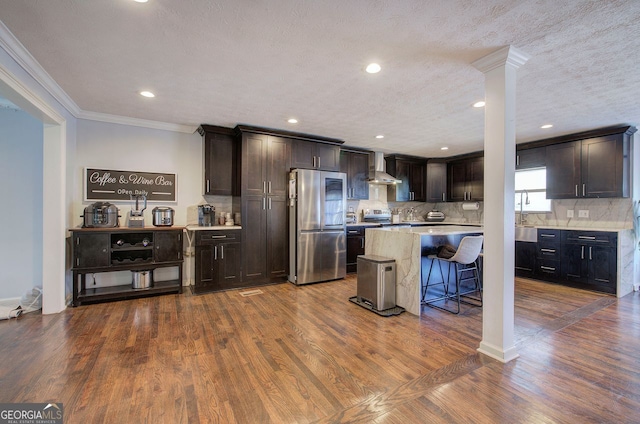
{"points": [[250, 293]]}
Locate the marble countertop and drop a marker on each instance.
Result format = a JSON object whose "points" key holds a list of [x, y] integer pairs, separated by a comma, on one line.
{"points": [[564, 227], [436, 230], [194, 227]]}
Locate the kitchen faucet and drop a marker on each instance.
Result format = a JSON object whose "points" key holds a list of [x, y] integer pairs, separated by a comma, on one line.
{"points": [[523, 218]]}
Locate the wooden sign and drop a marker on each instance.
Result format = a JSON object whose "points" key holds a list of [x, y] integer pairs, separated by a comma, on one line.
{"points": [[106, 184]]}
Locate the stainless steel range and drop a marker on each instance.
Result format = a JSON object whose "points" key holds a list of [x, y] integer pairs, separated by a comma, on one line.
{"points": [[378, 216]]}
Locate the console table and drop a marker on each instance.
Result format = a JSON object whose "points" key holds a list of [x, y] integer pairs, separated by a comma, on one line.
{"points": [[96, 250]]}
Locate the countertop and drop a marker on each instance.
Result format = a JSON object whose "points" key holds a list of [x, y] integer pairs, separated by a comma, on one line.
{"points": [[441, 230], [194, 227]]}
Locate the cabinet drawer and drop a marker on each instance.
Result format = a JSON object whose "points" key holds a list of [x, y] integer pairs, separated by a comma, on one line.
{"points": [[355, 231], [210, 237], [548, 269], [548, 236], [549, 251], [600, 238]]}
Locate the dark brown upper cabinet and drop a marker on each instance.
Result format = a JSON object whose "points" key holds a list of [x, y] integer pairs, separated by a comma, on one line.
{"points": [[220, 160], [590, 168], [436, 181], [531, 158], [356, 165], [412, 172], [313, 155], [466, 179]]}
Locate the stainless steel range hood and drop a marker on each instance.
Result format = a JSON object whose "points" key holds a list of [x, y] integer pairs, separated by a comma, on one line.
{"points": [[378, 170]]}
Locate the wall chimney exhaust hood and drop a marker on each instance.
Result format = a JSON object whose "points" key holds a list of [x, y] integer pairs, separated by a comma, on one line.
{"points": [[378, 170]]}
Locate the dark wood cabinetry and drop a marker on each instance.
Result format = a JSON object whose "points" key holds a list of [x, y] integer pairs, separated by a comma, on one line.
{"points": [[217, 260], [413, 174], [356, 166], [589, 259], [220, 160], [264, 176], [314, 155], [355, 246], [466, 179], [96, 250], [525, 260], [531, 158], [436, 181], [548, 257], [591, 168]]}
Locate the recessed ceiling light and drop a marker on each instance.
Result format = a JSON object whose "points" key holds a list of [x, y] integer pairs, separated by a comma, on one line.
{"points": [[141, 1], [292, 120], [444, 148], [545, 126], [373, 68], [479, 104], [147, 94], [379, 136]]}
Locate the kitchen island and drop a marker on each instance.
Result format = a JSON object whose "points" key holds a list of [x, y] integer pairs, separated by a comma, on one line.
{"points": [[406, 246]]}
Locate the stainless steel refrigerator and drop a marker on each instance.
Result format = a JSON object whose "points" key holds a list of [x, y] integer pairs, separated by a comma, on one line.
{"points": [[317, 213]]}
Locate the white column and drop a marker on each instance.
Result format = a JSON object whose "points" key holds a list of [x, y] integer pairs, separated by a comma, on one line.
{"points": [[499, 216]]}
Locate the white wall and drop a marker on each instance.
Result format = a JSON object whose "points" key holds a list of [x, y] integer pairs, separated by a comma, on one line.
{"points": [[21, 193], [129, 148]]}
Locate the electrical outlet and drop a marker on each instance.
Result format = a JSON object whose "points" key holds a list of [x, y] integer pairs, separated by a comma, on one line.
{"points": [[570, 213], [583, 213]]}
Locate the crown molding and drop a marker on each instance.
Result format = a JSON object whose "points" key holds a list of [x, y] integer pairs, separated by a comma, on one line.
{"points": [[136, 122], [507, 55], [21, 55]]}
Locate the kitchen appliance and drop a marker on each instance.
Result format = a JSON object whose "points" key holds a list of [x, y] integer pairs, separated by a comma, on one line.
{"points": [[138, 205], [141, 279], [376, 283], [162, 216], [435, 216], [378, 170], [100, 215], [206, 215], [378, 216], [317, 228], [352, 218]]}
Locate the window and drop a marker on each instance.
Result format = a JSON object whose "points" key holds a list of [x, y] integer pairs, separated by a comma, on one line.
{"points": [[531, 190]]}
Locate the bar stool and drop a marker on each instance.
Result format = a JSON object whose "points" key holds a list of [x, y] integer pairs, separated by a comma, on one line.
{"points": [[465, 260]]}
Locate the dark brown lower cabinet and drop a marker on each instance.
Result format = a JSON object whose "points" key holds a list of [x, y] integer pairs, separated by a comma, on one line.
{"points": [[217, 260], [589, 260], [355, 246], [525, 259]]}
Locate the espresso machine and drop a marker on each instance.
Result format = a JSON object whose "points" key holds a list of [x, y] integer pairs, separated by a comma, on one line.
{"points": [[206, 215], [138, 205]]}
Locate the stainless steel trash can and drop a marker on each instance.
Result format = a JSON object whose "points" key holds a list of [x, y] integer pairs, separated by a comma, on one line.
{"points": [[376, 281]]}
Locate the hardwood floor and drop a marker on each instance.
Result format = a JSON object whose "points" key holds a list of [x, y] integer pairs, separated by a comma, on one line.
{"points": [[307, 354]]}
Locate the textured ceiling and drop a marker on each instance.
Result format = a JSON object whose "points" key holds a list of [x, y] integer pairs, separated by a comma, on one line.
{"points": [[260, 62]]}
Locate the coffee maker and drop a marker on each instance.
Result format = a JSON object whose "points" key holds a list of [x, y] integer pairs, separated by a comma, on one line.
{"points": [[206, 215]]}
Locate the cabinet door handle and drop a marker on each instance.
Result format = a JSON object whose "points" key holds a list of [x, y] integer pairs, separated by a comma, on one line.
{"points": [[269, 203], [587, 237], [314, 161], [362, 243], [208, 186], [576, 190], [77, 261], [584, 189], [221, 252], [582, 252], [590, 255], [517, 160], [548, 235], [319, 166], [264, 203], [353, 232], [443, 197], [217, 237], [215, 253], [548, 250], [269, 187], [264, 187], [547, 268]]}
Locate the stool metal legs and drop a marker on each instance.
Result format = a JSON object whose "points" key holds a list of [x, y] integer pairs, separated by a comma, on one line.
{"points": [[464, 297]]}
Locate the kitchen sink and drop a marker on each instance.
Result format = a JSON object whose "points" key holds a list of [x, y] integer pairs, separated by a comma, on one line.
{"points": [[526, 233]]}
